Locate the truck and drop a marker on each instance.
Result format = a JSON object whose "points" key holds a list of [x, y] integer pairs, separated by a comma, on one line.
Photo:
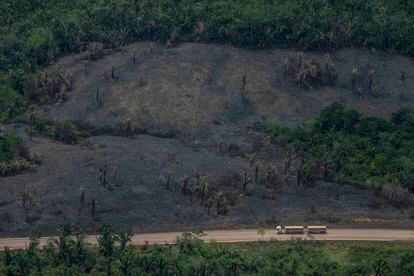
{"points": [[313, 229], [290, 229]]}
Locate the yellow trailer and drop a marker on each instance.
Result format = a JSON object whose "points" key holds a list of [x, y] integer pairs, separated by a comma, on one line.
{"points": [[294, 229], [317, 229]]}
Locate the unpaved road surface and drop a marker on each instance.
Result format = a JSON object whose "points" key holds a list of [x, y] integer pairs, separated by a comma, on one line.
{"points": [[243, 235]]}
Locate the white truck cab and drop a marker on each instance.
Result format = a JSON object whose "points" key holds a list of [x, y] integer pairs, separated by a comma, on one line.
{"points": [[279, 229]]}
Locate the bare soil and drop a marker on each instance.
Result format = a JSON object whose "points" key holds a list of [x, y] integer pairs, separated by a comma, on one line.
{"points": [[188, 115]]}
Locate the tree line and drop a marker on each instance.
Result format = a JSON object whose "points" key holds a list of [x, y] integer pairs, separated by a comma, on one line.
{"points": [[34, 33]]}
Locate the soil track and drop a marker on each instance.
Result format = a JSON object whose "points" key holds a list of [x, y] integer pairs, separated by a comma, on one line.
{"points": [[243, 235], [185, 107]]}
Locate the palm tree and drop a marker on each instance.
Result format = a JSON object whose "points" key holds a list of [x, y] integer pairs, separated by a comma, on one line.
{"points": [[270, 173], [21, 262], [63, 242], [93, 208], [219, 198], [291, 155], [82, 196], [80, 248], [371, 75], [256, 172], [125, 261], [32, 254], [354, 79], [106, 241], [183, 184], [403, 77], [204, 190], [123, 237], [209, 204], [285, 62], [380, 267], [245, 178], [8, 258]]}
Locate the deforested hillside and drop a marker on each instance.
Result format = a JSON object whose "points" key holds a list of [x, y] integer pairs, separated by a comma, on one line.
{"points": [[193, 88], [168, 115], [161, 138]]}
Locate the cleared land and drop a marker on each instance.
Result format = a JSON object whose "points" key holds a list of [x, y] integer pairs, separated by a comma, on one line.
{"points": [[187, 114]]}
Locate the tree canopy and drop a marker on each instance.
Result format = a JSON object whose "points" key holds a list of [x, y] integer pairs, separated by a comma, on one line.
{"points": [[69, 254], [343, 143], [34, 33]]}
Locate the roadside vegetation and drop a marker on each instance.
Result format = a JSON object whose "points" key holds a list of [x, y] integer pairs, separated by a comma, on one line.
{"points": [[34, 33], [342, 145], [69, 254]]}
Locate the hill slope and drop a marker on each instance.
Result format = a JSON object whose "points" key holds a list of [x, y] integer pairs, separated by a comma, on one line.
{"points": [[186, 113]]}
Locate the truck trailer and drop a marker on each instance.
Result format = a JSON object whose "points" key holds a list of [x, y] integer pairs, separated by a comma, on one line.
{"points": [[314, 229], [317, 229]]}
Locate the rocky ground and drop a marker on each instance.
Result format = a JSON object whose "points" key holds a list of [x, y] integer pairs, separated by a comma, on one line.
{"points": [[189, 115]]}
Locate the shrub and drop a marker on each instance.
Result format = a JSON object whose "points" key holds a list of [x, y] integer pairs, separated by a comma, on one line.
{"points": [[94, 51], [11, 103], [14, 156], [10, 145], [396, 195], [66, 132], [49, 87], [13, 167], [308, 73], [40, 125]]}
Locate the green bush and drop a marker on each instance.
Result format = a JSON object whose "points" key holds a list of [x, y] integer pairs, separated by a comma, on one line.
{"points": [[11, 104], [66, 132], [10, 144], [40, 125]]}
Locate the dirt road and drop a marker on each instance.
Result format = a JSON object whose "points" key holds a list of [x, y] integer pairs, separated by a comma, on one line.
{"points": [[244, 235]]}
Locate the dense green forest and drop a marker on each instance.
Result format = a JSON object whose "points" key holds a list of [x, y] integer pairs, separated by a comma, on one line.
{"points": [[70, 255], [35, 32], [343, 145]]}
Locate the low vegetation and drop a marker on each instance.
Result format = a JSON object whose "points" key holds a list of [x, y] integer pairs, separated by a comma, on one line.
{"points": [[63, 130], [10, 145], [69, 254], [343, 145], [14, 156], [212, 196], [308, 73], [48, 87]]}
